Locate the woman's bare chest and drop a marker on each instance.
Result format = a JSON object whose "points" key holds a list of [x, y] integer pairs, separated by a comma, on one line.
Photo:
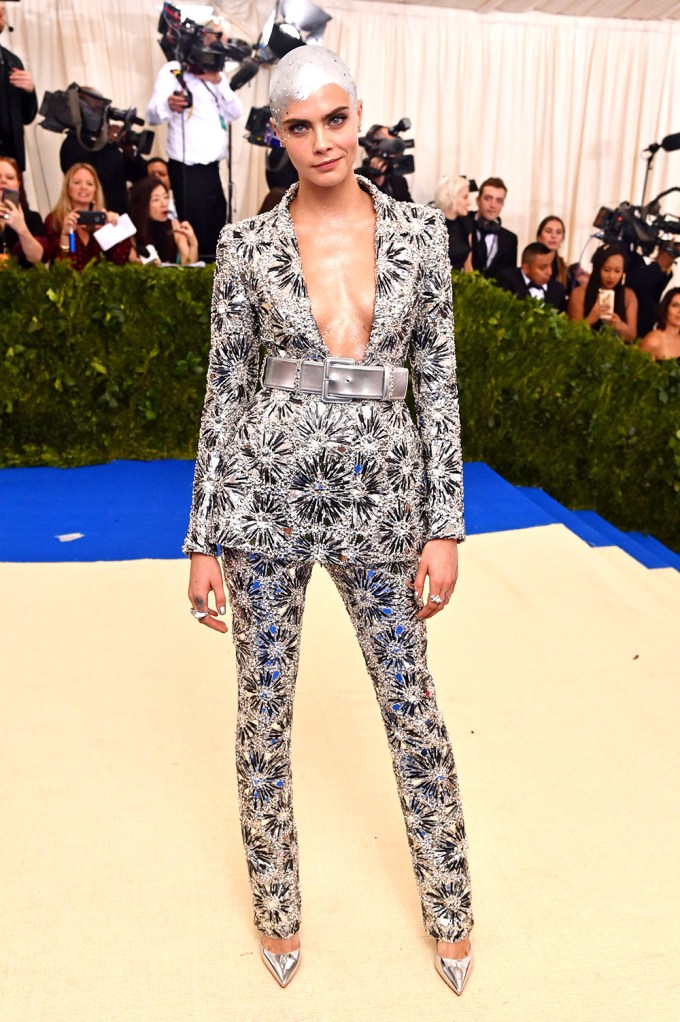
{"points": [[339, 272]]}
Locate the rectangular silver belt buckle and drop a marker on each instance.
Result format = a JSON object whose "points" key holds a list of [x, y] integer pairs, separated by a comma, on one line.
{"points": [[331, 363]]}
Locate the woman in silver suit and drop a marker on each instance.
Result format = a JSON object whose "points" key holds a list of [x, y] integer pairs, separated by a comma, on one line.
{"points": [[308, 454]]}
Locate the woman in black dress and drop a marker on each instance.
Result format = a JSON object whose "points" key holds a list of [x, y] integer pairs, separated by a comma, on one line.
{"points": [[21, 228]]}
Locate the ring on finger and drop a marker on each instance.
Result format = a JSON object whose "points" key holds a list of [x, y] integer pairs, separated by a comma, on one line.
{"points": [[434, 598], [198, 614]]}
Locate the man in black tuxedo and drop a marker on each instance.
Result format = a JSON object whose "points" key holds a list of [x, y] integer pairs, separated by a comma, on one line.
{"points": [[533, 279], [494, 248], [18, 103]]}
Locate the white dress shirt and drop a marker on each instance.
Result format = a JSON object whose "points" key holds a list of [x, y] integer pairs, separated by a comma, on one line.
{"points": [[204, 139], [535, 290]]}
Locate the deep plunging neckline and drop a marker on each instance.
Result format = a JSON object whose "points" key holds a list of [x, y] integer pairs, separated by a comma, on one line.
{"points": [[305, 290]]}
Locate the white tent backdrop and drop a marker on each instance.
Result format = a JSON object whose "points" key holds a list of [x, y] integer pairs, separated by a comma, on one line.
{"points": [[560, 107]]}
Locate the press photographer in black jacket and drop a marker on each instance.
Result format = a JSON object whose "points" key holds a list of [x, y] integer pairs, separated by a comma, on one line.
{"points": [[18, 103]]}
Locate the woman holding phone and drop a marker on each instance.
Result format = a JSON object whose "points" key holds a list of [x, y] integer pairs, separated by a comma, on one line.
{"points": [[605, 299], [322, 463], [71, 224], [21, 229]]}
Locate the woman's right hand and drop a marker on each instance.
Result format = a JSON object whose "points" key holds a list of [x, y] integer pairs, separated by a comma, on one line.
{"points": [[70, 222], [13, 215], [205, 576]]}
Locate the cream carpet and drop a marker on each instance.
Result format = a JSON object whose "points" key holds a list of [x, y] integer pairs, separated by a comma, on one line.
{"points": [[124, 892]]}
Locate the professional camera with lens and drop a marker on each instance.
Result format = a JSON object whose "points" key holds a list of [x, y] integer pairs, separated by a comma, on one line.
{"points": [[185, 42], [94, 121], [386, 145], [642, 228]]}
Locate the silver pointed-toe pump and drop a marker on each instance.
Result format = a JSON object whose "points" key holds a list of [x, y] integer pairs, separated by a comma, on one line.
{"points": [[282, 967], [454, 971]]}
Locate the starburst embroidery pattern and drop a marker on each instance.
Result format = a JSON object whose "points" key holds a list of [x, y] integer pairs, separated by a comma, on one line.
{"points": [[289, 475]]}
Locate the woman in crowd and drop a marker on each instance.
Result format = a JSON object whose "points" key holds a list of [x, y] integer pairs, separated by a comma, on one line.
{"points": [[81, 191], [664, 341], [452, 197], [340, 284], [551, 232], [173, 241], [609, 274], [21, 229]]}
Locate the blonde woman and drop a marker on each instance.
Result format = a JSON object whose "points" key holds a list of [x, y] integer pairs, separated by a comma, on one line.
{"points": [[452, 197], [67, 237]]}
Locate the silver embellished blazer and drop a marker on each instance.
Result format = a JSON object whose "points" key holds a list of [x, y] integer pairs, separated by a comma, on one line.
{"points": [[289, 476]]}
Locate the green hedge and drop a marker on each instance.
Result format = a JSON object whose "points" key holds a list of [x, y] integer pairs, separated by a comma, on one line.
{"points": [[550, 403], [111, 363]]}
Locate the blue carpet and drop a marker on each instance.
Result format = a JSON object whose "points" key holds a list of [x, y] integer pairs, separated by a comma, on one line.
{"points": [[132, 509], [125, 511], [128, 510]]}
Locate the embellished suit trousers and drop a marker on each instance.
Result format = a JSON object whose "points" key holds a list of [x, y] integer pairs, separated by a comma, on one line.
{"points": [[267, 601]]}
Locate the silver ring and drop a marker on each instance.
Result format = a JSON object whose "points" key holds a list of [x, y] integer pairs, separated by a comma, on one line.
{"points": [[435, 599], [198, 614], [5, 216]]}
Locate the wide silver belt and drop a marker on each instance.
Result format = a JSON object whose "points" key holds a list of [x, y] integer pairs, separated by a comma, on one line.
{"points": [[336, 379]]}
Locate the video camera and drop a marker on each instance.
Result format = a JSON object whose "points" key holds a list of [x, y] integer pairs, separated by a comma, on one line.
{"points": [[391, 150], [92, 118], [185, 42], [260, 131], [643, 228]]}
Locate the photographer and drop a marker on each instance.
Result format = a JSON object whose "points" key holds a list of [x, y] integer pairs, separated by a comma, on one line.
{"points": [[18, 103], [115, 164], [378, 169], [197, 106], [67, 237], [649, 281]]}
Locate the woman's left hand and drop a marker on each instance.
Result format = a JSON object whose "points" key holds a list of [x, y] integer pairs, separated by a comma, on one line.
{"points": [[439, 564], [111, 217]]}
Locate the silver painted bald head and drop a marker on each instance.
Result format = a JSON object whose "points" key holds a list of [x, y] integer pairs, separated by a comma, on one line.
{"points": [[304, 71]]}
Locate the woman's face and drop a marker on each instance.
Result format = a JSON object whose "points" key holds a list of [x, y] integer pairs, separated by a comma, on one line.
{"points": [[320, 135], [611, 272], [8, 176], [673, 313], [461, 204], [552, 235], [158, 204], [82, 189]]}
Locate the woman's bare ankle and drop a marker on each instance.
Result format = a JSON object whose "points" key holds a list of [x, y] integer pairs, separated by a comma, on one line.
{"points": [[454, 949], [279, 946]]}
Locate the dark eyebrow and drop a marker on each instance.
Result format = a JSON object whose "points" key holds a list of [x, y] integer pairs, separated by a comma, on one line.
{"points": [[301, 120]]}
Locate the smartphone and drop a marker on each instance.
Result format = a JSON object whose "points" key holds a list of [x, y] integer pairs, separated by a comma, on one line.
{"points": [[10, 195], [605, 298], [92, 217]]}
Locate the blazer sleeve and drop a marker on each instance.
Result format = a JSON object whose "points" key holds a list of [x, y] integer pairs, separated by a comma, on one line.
{"points": [[231, 385], [435, 389]]}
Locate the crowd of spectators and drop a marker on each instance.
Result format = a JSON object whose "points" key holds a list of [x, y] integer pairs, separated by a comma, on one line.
{"points": [[177, 208], [622, 291]]}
